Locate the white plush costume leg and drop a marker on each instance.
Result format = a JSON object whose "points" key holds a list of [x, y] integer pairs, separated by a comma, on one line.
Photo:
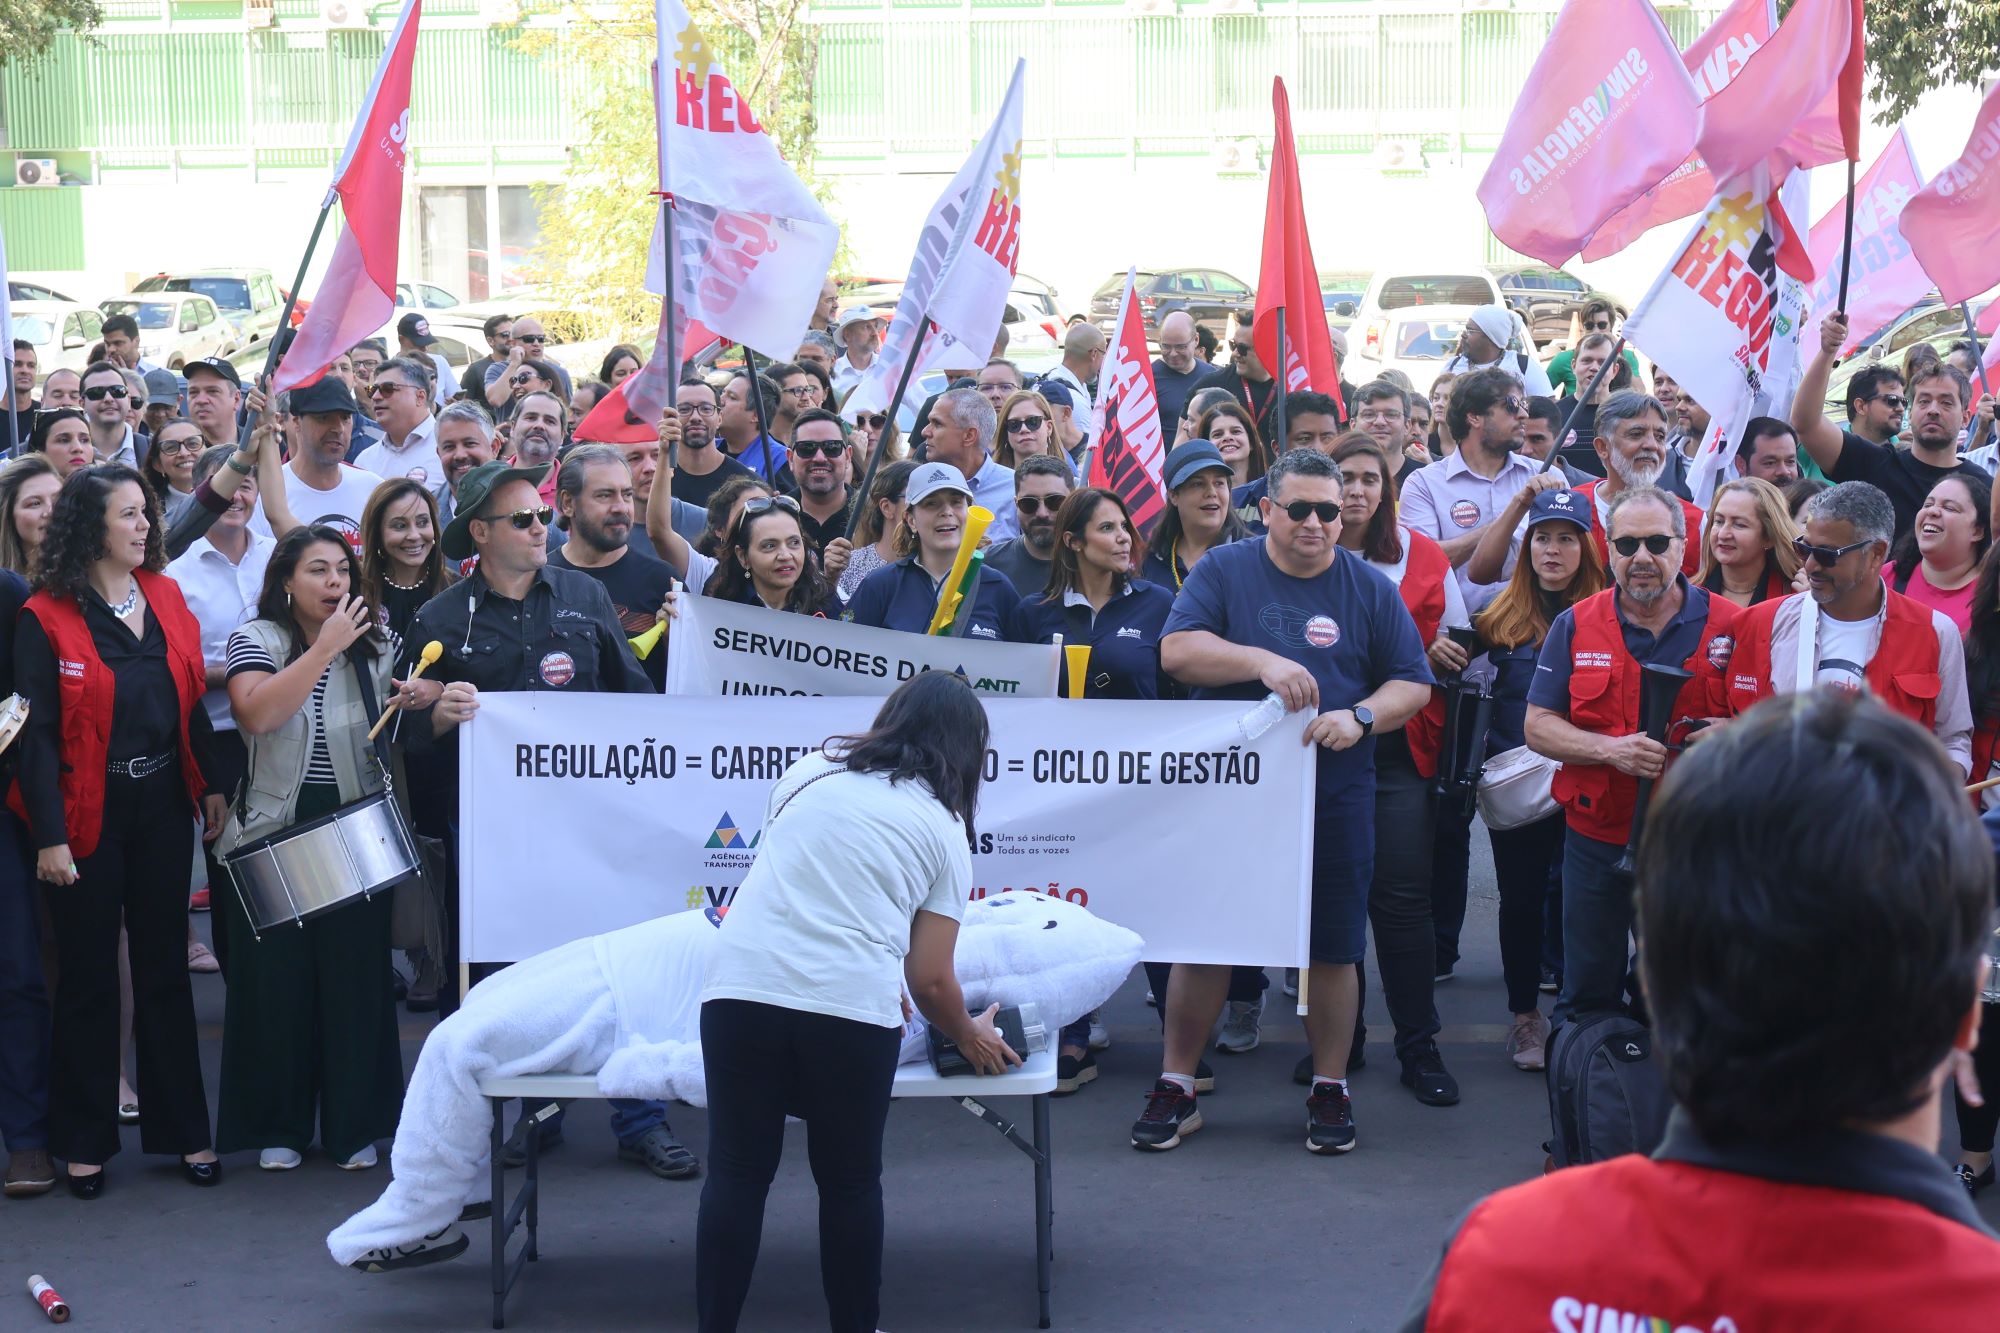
{"points": [[553, 1013]]}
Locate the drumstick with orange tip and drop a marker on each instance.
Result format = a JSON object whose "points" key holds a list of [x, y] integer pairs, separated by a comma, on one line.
{"points": [[431, 653]]}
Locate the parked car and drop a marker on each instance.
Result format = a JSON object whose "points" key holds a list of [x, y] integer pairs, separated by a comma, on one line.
{"points": [[1211, 296], [1416, 339], [1547, 297], [424, 296], [1341, 293], [34, 291], [1922, 322], [249, 298], [1025, 315], [1939, 334], [176, 327], [61, 331], [1462, 289]]}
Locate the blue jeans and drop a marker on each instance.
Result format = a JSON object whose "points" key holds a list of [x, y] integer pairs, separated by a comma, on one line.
{"points": [[1597, 922], [24, 1000], [631, 1120]]}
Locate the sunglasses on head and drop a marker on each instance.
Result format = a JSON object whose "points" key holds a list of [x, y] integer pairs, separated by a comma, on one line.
{"points": [[820, 448], [1657, 544], [103, 391], [1020, 425], [1826, 555], [523, 519], [1034, 504], [766, 503], [1328, 511]]}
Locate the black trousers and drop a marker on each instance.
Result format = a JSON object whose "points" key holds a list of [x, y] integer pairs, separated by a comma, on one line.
{"points": [[1525, 859], [1977, 1123], [24, 1000], [764, 1063], [137, 874], [1451, 873], [229, 759], [1399, 895]]}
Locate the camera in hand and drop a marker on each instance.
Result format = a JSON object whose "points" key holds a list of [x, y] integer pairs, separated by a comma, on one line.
{"points": [[1019, 1025]]}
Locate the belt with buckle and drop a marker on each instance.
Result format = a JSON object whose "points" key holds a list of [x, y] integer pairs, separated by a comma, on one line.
{"points": [[143, 767]]}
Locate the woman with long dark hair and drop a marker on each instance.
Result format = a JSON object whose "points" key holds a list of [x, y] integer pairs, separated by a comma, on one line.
{"points": [[1937, 561], [1198, 518], [309, 1031], [1233, 431], [63, 437], [28, 489], [769, 561], [1558, 567], [401, 565], [861, 878], [110, 773], [879, 529], [619, 363]]}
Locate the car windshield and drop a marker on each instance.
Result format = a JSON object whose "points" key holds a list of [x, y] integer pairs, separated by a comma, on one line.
{"points": [[1435, 289], [229, 293], [150, 314], [1333, 298], [33, 329], [1427, 339]]}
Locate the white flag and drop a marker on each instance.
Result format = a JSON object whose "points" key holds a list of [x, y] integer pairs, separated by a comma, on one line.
{"points": [[753, 245], [1724, 317], [966, 257]]}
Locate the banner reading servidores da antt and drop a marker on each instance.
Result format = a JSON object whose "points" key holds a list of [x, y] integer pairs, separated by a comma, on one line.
{"points": [[583, 813], [720, 647]]}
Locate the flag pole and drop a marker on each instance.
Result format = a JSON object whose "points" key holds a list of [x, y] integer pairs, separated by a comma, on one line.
{"points": [[1562, 431], [1281, 374], [1847, 240], [13, 403], [889, 424], [243, 422], [763, 417], [1978, 359]]}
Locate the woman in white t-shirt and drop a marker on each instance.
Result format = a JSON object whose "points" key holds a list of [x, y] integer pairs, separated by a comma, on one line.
{"points": [[862, 873]]}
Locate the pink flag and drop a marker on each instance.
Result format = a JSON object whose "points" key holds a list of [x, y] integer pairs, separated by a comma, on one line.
{"points": [[1782, 87], [1713, 60], [1884, 277], [358, 293], [1607, 111], [1128, 451], [1954, 222]]}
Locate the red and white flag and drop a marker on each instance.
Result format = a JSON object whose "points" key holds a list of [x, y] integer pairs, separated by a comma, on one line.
{"points": [[1783, 89], [1724, 317], [752, 245], [1954, 222], [1605, 114], [1288, 279], [1884, 277], [967, 255], [358, 293], [1128, 452], [1712, 60]]}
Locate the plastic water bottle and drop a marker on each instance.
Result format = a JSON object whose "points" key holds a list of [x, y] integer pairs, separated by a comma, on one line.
{"points": [[1261, 718]]}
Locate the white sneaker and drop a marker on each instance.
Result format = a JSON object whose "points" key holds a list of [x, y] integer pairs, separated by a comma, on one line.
{"points": [[361, 1161], [1240, 1020], [445, 1243], [1100, 1036], [278, 1159], [1528, 1043]]}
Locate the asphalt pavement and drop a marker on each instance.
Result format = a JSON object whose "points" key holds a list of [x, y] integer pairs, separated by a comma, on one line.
{"points": [[1239, 1228]]}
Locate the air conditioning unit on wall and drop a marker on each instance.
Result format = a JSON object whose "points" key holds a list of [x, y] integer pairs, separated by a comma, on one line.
{"points": [[1237, 157], [35, 171], [344, 14]]}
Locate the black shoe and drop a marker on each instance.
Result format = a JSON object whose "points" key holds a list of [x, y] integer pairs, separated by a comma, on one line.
{"points": [[515, 1154], [205, 1174], [85, 1187], [477, 1211], [1170, 1115], [1551, 981], [1329, 1120], [1302, 1072], [1072, 1072], [1424, 1074], [1973, 1181]]}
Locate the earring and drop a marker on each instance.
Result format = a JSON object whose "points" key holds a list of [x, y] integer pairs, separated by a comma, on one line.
{"points": [[288, 600]]}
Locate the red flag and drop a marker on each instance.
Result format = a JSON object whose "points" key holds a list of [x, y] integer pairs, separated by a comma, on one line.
{"points": [[1778, 90], [1130, 452], [1953, 223], [630, 413], [358, 294], [1288, 280]]}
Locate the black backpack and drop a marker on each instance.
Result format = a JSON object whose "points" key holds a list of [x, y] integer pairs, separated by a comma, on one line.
{"points": [[1606, 1096]]}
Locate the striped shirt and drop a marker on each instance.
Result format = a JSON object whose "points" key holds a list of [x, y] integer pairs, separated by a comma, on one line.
{"points": [[246, 654]]}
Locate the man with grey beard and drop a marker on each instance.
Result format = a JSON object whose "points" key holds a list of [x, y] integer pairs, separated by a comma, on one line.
{"points": [[1632, 445]]}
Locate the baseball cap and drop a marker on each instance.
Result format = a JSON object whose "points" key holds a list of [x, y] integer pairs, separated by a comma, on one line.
{"points": [[1190, 457], [416, 328], [928, 480], [471, 493], [214, 365], [163, 389], [328, 393], [1056, 394], [1563, 506], [854, 314]]}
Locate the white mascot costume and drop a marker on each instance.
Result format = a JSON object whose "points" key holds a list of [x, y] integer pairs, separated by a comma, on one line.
{"points": [[624, 1006]]}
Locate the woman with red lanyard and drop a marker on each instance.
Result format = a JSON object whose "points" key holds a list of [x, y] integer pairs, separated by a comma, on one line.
{"points": [[109, 657], [1746, 545], [1399, 897]]}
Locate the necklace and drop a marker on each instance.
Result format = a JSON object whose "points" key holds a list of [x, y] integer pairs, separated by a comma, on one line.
{"points": [[129, 605], [403, 587]]}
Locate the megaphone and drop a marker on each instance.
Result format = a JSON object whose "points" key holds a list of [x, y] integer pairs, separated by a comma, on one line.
{"points": [[1659, 693]]}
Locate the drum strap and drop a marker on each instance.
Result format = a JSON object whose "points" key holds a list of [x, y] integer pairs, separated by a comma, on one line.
{"points": [[367, 688]]}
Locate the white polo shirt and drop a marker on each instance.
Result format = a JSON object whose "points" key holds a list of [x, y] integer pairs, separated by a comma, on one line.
{"points": [[417, 459], [223, 597]]}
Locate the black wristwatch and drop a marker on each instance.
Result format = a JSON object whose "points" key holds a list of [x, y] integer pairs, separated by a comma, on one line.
{"points": [[1365, 717]]}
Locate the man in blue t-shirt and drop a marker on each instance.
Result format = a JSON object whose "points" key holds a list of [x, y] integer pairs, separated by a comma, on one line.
{"points": [[1292, 614]]}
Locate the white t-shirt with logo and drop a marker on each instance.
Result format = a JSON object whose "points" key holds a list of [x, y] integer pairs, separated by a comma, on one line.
{"points": [[1845, 648], [340, 507]]}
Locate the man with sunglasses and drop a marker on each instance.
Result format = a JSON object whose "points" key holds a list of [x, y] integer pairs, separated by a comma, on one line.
{"points": [[1041, 483], [1583, 712], [408, 448], [1850, 631], [818, 461], [498, 331], [1248, 382], [1598, 317], [529, 343], [1083, 356], [1291, 613], [104, 403], [1490, 340]]}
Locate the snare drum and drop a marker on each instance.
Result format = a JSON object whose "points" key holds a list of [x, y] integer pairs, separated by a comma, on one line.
{"points": [[13, 717], [309, 869]]}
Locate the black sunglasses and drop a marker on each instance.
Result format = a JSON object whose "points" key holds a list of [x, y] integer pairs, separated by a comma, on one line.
{"points": [[820, 448], [1242, 349], [1327, 510], [1020, 424], [527, 377], [1034, 504], [104, 391], [523, 519], [536, 338], [1657, 543], [1894, 401], [872, 420], [1826, 555]]}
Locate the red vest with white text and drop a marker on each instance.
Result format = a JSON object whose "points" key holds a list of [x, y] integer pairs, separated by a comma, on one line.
{"points": [[1903, 674], [1424, 573]]}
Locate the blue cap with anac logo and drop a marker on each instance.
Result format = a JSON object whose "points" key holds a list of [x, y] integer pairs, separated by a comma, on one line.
{"points": [[1568, 506]]}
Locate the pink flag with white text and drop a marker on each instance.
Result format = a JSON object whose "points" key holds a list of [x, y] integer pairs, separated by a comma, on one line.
{"points": [[1884, 277], [1605, 114], [1954, 222], [1783, 87]]}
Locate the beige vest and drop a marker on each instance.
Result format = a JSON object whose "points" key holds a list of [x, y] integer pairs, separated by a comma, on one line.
{"points": [[269, 798]]}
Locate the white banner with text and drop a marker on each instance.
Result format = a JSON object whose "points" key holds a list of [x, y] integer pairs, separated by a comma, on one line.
{"points": [[584, 813]]}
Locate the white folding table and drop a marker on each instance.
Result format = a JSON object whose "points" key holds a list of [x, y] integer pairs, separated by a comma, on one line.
{"points": [[1035, 1080]]}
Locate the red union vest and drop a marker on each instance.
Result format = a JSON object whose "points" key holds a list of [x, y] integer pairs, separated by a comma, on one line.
{"points": [[1423, 590], [1985, 740], [85, 691], [1604, 698], [1671, 1247], [1903, 674], [1690, 558]]}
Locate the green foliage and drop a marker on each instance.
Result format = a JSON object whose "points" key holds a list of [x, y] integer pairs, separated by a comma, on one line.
{"points": [[28, 28], [1915, 46], [597, 222]]}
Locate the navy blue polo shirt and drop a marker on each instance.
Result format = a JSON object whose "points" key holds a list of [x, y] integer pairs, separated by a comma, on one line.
{"points": [[1347, 626], [904, 596], [1674, 644], [1124, 639]]}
